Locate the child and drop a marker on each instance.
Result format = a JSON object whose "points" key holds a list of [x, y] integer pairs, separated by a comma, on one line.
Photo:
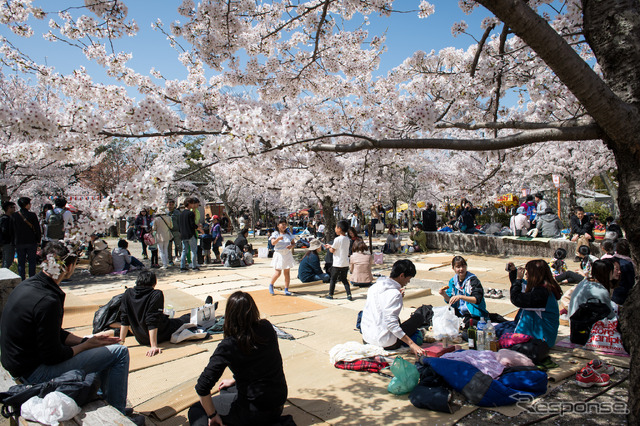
{"points": [[464, 292], [283, 243], [560, 271], [206, 241], [154, 251], [360, 264], [247, 257], [340, 251]]}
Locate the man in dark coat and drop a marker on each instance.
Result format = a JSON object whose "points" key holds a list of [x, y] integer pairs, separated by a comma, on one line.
{"points": [[26, 235]]}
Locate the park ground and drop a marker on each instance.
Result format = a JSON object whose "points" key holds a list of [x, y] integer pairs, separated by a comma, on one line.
{"points": [[162, 387]]}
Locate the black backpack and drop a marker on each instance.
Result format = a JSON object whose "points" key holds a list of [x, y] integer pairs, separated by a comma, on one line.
{"points": [[107, 314], [584, 317], [235, 259], [77, 385], [55, 226]]}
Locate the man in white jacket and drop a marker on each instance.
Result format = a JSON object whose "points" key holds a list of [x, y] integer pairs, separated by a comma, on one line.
{"points": [[381, 316]]}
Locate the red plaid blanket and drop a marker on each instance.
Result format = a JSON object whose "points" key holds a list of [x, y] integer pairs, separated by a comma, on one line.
{"points": [[371, 365]]}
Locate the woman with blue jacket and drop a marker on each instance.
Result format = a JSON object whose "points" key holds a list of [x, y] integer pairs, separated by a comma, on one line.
{"points": [[537, 297]]}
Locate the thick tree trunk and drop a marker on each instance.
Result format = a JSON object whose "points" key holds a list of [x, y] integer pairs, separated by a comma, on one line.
{"points": [[571, 182], [613, 192], [329, 219], [629, 203]]}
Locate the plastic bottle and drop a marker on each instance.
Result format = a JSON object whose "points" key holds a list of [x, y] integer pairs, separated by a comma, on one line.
{"points": [[480, 344], [472, 334], [489, 335]]}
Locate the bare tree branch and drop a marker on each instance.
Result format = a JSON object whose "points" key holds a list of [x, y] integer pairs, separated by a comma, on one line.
{"points": [[504, 142], [521, 125], [476, 58]]}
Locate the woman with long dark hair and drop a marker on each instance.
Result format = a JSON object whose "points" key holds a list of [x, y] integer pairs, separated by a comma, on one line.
{"points": [[537, 297], [258, 391], [143, 226], [599, 287]]}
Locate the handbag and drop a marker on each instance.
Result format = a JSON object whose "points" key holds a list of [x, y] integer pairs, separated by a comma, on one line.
{"points": [[204, 316], [378, 258], [584, 318], [379, 227], [149, 240]]}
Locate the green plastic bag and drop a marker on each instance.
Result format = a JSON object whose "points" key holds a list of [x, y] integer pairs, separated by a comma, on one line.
{"points": [[406, 377]]}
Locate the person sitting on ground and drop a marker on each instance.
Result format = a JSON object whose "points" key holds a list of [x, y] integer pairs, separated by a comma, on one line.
{"points": [[247, 255], [241, 239], [231, 255], [419, 238], [519, 224], [100, 259], [360, 264], [464, 292], [548, 224], [394, 241], [597, 287], [36, 349], [353, 236], [627, 272], [309, 269], [581, 230], [142, 312], [258, 390], [608, 248], [380, 323], [122, 259], [537, 297], [613, 230], [560, 271]]}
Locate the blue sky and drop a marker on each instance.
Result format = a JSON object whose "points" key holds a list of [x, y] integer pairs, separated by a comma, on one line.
{"points": [[406, 33]]}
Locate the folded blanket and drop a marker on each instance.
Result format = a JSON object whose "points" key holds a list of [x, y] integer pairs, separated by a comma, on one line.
{"points": [[352, 351], [371, 365]]}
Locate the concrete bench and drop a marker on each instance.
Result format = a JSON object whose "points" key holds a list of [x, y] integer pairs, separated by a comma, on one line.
{"points": [[97, 412]]}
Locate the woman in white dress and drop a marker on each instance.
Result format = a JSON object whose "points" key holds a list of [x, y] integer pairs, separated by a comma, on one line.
{"points": [[283, 243]]}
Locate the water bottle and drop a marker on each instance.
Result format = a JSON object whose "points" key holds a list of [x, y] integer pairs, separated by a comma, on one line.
{"points": [[481, 335], [489, 335]]}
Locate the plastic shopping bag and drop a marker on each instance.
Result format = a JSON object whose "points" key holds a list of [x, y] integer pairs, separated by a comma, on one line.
{"points": [[406, 377], [55, 407], [445, 322]]}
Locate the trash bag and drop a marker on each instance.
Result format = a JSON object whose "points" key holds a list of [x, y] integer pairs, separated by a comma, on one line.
{"points": [[55, 407], [445, 322], [406, 377]]}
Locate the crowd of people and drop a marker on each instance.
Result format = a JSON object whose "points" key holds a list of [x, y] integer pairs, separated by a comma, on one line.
{"points": [[34, 347]]}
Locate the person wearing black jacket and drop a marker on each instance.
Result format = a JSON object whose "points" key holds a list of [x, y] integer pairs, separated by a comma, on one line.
{"points": [[258, 391], [429, 219], [142, 311], [581, 229], [27, 235], [35, 348], [188, 233], [469, 219], [241, 239], [6, 234]]}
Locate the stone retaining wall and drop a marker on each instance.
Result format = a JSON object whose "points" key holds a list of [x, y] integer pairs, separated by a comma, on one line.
{"points": [[8, 281], [498, 246]]}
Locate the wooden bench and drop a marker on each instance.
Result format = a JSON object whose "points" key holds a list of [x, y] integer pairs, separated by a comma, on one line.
{"points": [[93, 413]]}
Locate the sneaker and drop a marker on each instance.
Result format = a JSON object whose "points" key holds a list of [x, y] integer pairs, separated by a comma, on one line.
{"points": [[196, 268], [183, 269], [587, 378], [271, 292], [328, 296], [601, 367], [499, 294], [349, 297], [287, 292]]}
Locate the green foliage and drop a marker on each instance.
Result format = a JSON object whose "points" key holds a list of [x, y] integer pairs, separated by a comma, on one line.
{"points": [[601, 210]]}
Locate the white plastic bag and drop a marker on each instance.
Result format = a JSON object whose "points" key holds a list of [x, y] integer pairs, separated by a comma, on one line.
{"points": [[445, 322], [55, 407], [204, 316]]}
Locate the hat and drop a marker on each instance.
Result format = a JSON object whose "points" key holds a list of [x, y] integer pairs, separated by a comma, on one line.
{"points": [[216, 217], [314, 245], [520, 210], [100, 245]]}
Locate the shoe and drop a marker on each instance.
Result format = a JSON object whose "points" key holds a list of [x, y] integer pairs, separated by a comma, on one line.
{"points": [[196, 268], [587, 378], [164, 267], [287, 292], [145, 257], [271, 289], [328, 296], [171, 264], [128, 411], [350, 298], [208, 300], [183, 269], [601, 367]]}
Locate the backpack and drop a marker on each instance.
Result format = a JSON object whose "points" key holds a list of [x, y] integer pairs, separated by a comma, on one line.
{"points": [[107, 314], [55, 226], [582, 320], [235, 259]]}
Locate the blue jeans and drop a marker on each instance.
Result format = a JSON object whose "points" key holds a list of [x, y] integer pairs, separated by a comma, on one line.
{"points": [[26, 252], [112, 362], [192, 244], [8, 253], [322, 277], [134, 262]]}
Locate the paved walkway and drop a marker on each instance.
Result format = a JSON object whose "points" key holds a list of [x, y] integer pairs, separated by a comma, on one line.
{"points": [[318, 392]]}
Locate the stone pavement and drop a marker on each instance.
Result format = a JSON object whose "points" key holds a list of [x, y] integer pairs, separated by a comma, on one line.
{"points": [[318, 392]]}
